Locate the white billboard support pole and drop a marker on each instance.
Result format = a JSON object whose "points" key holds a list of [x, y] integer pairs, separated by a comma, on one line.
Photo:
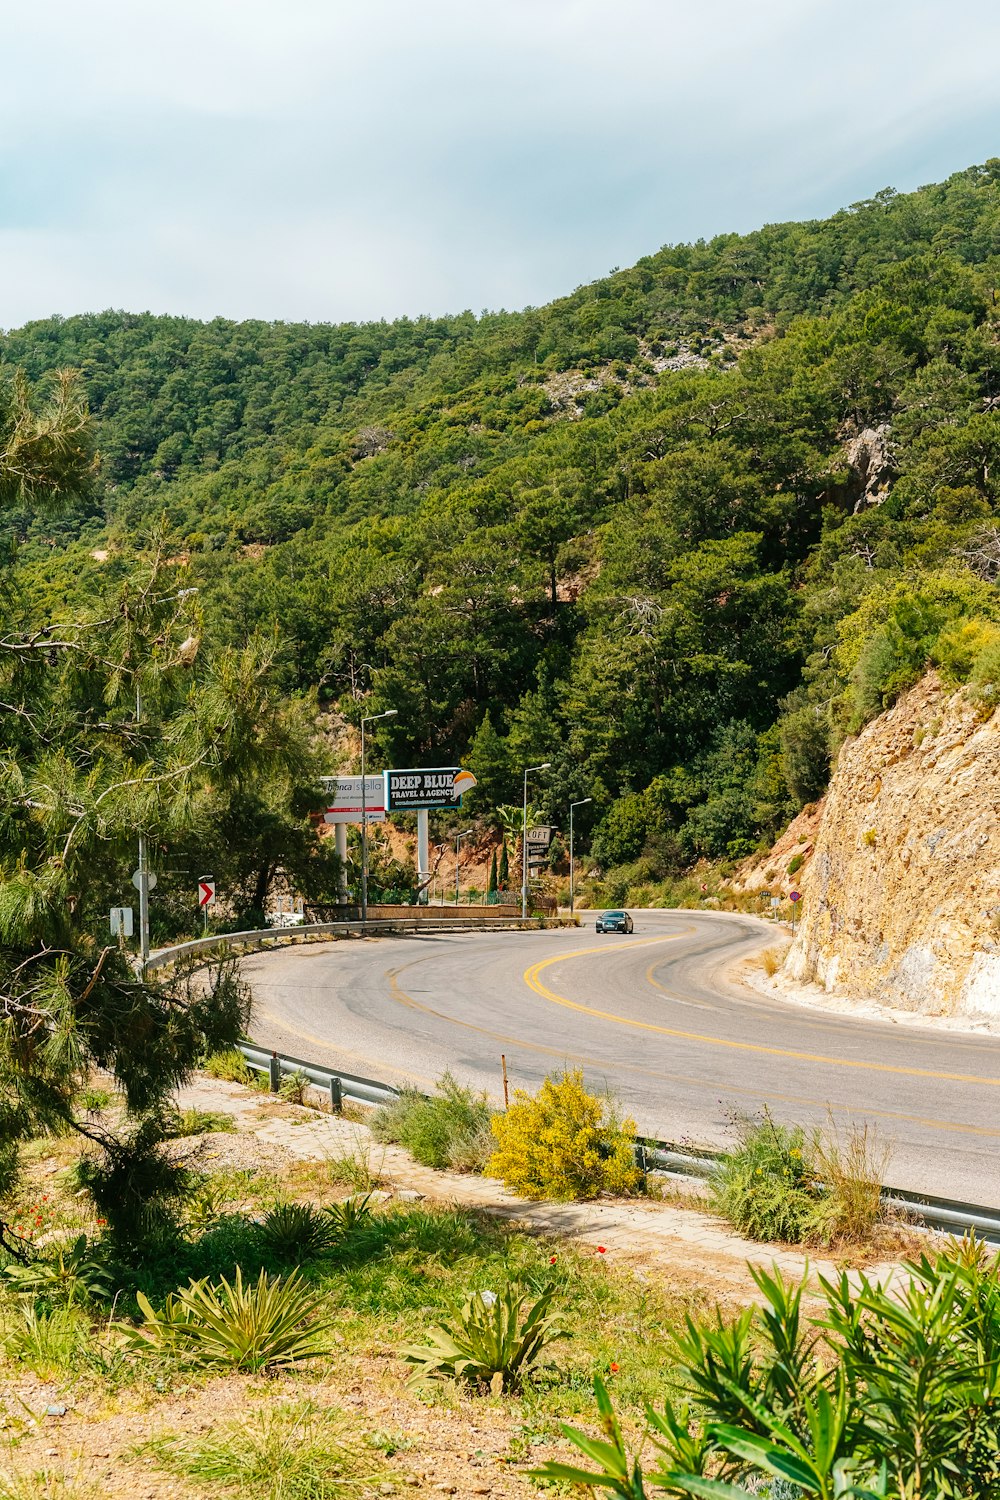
{"points": [[423, 854], [340, 846]]}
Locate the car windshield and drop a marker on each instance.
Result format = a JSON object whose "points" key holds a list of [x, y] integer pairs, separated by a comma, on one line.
{"points": [[609, 914]]}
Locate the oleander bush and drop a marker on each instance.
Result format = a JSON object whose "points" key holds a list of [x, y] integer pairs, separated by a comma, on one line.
{"points": [[891, 1392], [564, 1143]]}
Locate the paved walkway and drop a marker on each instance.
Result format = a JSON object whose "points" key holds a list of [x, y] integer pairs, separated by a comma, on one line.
{"points": [[685, 1238]]}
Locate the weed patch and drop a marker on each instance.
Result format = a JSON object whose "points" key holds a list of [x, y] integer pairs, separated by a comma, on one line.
{"points": [[449, 1129], [289, 1451]]}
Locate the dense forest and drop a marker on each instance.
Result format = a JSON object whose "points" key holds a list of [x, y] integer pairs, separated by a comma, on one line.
{"points": [[677, 533]]}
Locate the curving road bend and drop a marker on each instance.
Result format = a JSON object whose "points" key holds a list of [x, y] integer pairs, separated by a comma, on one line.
{"points": [[656, 1017]]}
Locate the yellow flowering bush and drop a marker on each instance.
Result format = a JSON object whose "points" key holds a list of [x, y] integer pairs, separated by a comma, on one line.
{"points": [[564, 1143]]}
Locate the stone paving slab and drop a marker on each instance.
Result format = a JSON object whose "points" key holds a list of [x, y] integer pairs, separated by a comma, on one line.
{"points": [[660, 1231]]}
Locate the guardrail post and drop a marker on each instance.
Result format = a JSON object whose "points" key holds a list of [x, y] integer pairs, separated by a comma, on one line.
{"points": [[336, 1096], [274, 1069]]}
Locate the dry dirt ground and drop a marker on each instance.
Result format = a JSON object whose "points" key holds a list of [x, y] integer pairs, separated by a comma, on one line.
{"points": [[78, 1438]]}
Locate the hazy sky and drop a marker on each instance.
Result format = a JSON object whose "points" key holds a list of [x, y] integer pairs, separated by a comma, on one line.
{"points": [[330, 159]]}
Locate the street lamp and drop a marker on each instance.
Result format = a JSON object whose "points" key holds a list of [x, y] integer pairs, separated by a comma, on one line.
{"points": [[524, 838], [390, 713], [582, 802], [458, 841]]}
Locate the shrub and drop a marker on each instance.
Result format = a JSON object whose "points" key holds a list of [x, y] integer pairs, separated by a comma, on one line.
{"points": [[795, 864], [449, 1129], [293, 1087], [67, 1276], [895, 1394], [494, 1341], [779, 1184], [296, 1232], [564, 1143], [767, 1186], [201, 1122], [230, 1066], [852, 1171], [771, 959], [255, 1327], [985, 675]]}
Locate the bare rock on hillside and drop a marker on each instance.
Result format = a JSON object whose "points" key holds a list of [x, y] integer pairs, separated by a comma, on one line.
{"points": [[870, 459], [902, 895]]}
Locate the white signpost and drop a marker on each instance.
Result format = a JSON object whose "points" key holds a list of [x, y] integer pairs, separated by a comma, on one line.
{"points": [[121, 921]]}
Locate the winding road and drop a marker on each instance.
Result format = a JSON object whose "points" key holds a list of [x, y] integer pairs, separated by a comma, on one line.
{"points": [[658, 1017]]}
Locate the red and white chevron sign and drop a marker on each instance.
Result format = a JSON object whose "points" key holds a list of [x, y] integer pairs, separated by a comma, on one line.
{"points": [[206, 892]]}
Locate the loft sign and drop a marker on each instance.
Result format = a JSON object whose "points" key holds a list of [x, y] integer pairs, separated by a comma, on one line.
{"points": [[414, 790]]}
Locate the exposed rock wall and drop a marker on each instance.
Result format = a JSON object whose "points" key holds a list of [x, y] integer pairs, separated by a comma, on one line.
{"points": [[902, 895]]}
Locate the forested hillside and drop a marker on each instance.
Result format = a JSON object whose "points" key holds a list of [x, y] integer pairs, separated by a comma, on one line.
{"points": [[677, 533]]}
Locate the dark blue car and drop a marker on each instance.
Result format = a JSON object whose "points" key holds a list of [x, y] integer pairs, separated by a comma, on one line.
{"points": [[614, 921]]}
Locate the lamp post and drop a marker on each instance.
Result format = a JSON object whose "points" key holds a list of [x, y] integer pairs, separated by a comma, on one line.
{"points": [[582, 802], [390, 713], [142, 872], [524, 838], [458, 841]]}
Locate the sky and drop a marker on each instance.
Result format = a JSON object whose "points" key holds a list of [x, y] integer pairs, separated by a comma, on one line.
{"points": [[360, 159]]}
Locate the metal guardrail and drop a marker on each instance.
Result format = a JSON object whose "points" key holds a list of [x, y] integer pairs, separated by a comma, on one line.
{"points": [[947, 1215], [266, 937]]}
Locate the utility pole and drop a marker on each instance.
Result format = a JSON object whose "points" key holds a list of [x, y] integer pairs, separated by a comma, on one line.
{"points": [[390, 713], [582, 803], [524, 838]]}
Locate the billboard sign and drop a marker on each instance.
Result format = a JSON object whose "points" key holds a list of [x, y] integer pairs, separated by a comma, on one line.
{"points": [[539, 838], [414, 790], [344, 799]]}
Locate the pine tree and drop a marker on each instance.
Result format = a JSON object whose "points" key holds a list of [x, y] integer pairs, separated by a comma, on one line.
{"points": [[491, 884], [114, 722], [503, 872]]}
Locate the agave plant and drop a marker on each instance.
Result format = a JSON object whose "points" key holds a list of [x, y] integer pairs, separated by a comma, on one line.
{"points": [[71, 1274], [495, 1340], [350, 1215], [297, 1231], [258, 1326]]}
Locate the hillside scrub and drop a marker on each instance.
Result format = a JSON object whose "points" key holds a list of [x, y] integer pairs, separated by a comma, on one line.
{"points": [[680, 586]]}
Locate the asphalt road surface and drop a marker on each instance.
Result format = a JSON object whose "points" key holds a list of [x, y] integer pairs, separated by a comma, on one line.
{"points": [[657, 1017]]}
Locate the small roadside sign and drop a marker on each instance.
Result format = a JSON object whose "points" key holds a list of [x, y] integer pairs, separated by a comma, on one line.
{"points": [[137, 876], [121, 921], [775, 900], [206, 892], [795, 895]]}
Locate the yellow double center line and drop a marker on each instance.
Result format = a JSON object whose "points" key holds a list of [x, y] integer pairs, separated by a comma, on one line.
{"points": [[532, 980]]}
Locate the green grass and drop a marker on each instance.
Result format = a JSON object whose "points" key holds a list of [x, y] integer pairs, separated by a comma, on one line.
{"points": [[293, 1450]]}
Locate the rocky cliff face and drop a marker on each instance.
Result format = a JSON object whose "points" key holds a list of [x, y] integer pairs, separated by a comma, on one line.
{"points": [[902, 894]]}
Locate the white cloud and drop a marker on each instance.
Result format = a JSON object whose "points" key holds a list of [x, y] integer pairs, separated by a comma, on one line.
{"points": [[336, 158]]}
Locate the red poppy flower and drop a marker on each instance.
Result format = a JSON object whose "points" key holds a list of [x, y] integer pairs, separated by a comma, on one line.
{"points": [[553, 1259], [601, 1250], [613, 1368]]}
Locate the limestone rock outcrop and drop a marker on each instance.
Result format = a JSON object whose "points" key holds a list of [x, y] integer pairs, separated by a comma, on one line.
{"points": [[902, 895]]}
